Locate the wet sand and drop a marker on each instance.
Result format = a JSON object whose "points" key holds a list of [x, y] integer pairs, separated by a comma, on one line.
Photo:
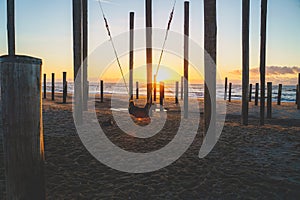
{"points": [[251, 162]]}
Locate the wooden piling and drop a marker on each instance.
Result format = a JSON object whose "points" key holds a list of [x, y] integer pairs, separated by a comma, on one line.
{"points": [[279, 94], [226, 85], [101, 91], [186, 57], [264, 4], [149, 49], [77, 57], [84, 14], [245, 77], [131, 53], [22, 127], [137, 90], [230, 90], [210, 46], [53, 87], [64, 87], [161, 94], [256, 93], [181, 88], [176, 92], [45, 86], [298, 107], [250, 93], [11, 27], [269, 100], [154, 90], [297, 94]]}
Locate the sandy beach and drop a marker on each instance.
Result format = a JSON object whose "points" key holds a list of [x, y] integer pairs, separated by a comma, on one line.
{"points": [[248, 162]]}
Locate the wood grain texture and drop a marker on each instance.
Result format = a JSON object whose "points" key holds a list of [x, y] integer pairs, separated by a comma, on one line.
{"points": [[22, 127]]}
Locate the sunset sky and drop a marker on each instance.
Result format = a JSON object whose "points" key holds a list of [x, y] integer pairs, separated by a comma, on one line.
{"points": [[44, 30]]}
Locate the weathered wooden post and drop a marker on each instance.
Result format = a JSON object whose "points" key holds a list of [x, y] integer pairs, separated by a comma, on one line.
{"points": [[154, 85], [149, 49], [45, 86], [137, 90], [78, 57], [181, 88], [101, 91], [250, 93], [298, 107], [269, 103], [279, 94], [230, 90], [245, 85], [53, 87], [21, 116], [64, 87], [161, 95], [176, 92], [256, 93], [210, 46], [131, 53], [297, 94], [84, 15], [11, 27], [22, 127], [226, 85], [186, 57], [264, 4]]}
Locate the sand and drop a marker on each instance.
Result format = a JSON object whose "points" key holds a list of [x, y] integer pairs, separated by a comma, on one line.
{"points": [[250, 162]]}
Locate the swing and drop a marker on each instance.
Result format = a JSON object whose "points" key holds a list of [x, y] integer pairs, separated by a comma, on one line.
{"points": [[135, 111]]}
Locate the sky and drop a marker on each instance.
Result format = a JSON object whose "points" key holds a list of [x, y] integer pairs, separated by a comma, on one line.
{"points": [[44, 30]]}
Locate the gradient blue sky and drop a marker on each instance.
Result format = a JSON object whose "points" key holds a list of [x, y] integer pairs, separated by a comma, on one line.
{"points": [[44, 29]]}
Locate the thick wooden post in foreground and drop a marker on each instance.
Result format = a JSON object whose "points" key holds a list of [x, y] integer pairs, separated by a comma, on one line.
{"points": [[64, 87], [279, 94], [298, 107], [22, 127], [250, 93], [245, 85], [101, 91], [263, 35], [210, 46], [84, 16], [45, 86], [176, 92], [256, 93], [131, 53], [53, 87], [137, 90], [77, 57], [186, 57], [230, 90], [269, 101], [226, 85]]}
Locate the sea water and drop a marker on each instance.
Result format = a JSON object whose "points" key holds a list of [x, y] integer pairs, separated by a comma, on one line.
{"points": [[195, 90]]}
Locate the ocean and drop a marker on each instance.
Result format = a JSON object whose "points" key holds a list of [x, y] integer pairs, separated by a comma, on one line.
{"points": [[196, 90]]}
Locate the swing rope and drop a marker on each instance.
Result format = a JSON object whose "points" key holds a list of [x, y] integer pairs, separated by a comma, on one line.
{"points": [[164, 44], [166, 38], [113, 45], [115, 51]]}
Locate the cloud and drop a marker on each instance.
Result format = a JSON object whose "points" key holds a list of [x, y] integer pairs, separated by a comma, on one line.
{"points": [[276, 74], [272, 71]]}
